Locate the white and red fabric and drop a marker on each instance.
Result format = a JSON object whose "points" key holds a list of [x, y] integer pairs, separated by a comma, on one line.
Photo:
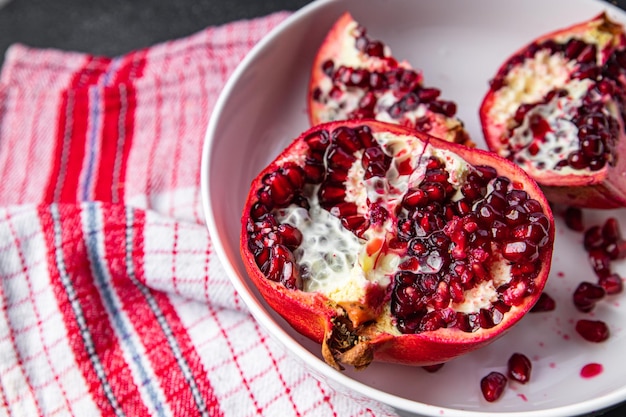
{"points": [[112, 300]]}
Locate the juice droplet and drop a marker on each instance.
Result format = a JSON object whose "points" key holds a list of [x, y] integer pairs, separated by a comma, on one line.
{"points": [[591, 370]]}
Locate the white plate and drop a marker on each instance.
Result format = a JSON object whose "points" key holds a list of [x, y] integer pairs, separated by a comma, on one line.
{"points": [[458, 45]]}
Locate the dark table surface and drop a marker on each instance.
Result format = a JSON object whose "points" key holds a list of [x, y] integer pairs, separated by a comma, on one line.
{"points": [[113, 27]]}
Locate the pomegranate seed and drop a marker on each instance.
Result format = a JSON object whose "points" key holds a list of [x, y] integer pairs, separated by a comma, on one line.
{"points": [[279, 189], [587, 54], [539, 126], [339, 159], [347, 139], [515, 215], [593, 330], [533, 232], [593, 238], [519, 367], [600, 262], [587, 295], [544, 303], [415, 198], [289, 235], [493, 385], [295, 175], [573, 217], [375, 162], [328, 67], [612, 284], [515, 197], [520, 251], [573, 48], [616, 250], [331, 194], [375, 49], [282, 267], [513, 293], [610, 230], [433, 368]]}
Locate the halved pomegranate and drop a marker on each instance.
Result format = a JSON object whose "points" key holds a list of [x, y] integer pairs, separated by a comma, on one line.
{"points": [[383, 243], [556, 108], [355, 77]]}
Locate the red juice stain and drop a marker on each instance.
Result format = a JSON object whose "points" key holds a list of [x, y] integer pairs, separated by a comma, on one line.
{"points": [[560, 274], [591, 370], [523, 397]]}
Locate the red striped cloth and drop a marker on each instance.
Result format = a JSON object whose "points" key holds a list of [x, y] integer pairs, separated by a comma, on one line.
{"points": [[113, 302]]}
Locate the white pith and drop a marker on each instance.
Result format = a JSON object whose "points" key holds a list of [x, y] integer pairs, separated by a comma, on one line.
{"points": [[529, 83], [342, 266]]}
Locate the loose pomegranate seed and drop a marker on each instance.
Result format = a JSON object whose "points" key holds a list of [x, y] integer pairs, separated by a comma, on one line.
{"points": [[593, 330], [433, 368], [612, 284], [587, 295], [493, 385], [600, 262], [573, 217], [544, 303], [519, 367], [593, 238]]}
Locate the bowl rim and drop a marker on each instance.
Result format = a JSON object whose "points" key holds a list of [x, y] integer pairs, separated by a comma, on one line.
{"points": [[259, 312]]}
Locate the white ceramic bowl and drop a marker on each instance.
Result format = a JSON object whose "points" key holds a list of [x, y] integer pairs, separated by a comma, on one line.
{"points": [[458, 44]]}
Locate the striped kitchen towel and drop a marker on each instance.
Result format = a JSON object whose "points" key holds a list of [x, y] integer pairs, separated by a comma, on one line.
{"points": [[112, 300]]}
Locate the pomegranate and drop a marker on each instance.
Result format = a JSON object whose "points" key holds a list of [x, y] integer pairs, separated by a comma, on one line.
{"points": [[356, 77], [383, 243], [556, 108]]}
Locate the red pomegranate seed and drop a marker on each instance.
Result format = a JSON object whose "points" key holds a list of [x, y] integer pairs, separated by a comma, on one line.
{"points": [[492, 386], [519, 367], [616, 250], [520, 251], [573, 217], [600, 262], [592, 330], [612, 284], [433, 368], [610, 230], [544, 303], [593, 238], [586, 295]]}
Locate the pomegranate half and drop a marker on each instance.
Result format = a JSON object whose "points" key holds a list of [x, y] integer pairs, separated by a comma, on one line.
{"points": [[383, 243], [556, 108], [355, 77]]}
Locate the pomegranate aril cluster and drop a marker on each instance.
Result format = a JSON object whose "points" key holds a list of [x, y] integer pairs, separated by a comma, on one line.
{"points": [[453, 241], [603, 244], [272, 242], [329, 157], [405, 83], [597, 129]]}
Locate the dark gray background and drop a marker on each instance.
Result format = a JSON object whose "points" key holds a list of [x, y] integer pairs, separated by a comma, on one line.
{"points": [[113, 27]]}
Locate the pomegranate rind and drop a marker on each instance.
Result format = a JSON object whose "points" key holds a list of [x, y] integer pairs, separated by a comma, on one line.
{"points": [[313, 315], [601, 189], [338, 43]]}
